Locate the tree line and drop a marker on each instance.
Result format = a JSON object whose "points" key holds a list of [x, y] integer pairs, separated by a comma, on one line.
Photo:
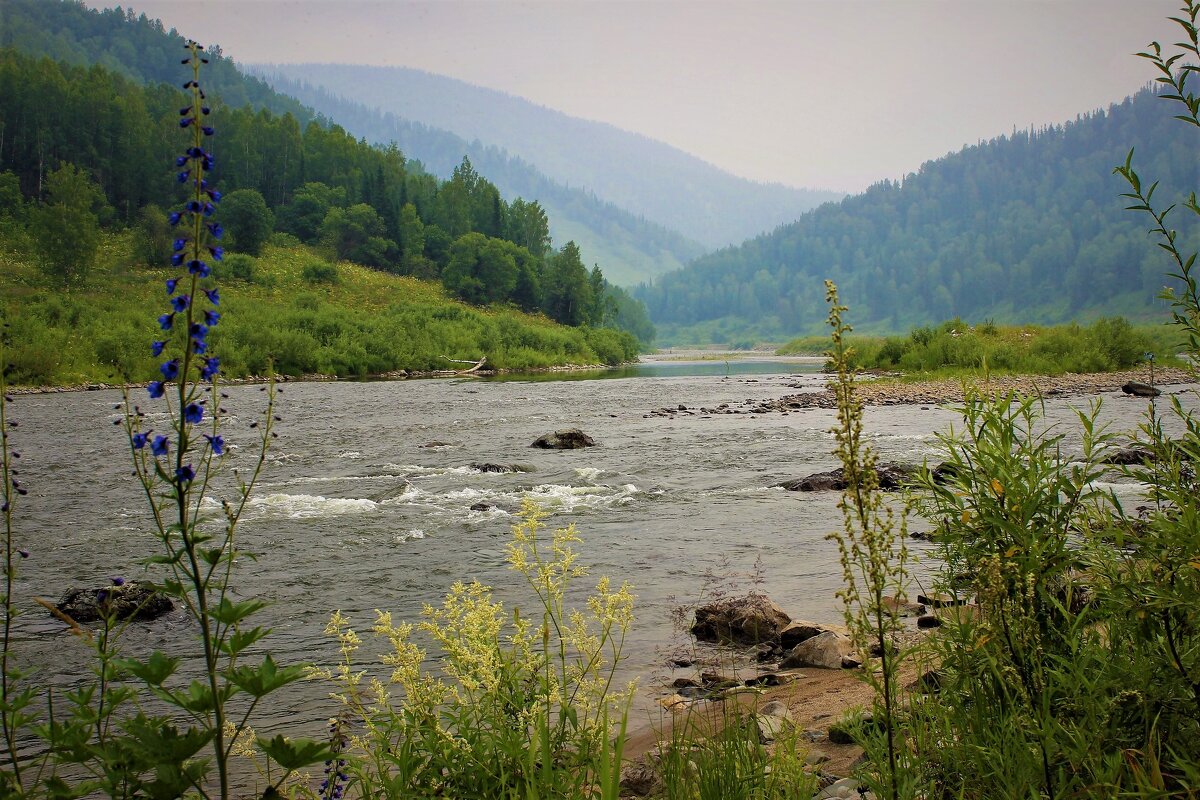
{"points": [[87, 146], [1023, 227]]}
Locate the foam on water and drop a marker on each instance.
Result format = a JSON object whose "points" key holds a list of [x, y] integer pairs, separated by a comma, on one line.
{"points": [[305, 506], [409, 536], [418, 471]]}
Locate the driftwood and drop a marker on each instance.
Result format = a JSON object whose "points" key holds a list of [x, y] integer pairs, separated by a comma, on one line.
{"points": [[478, 364]]}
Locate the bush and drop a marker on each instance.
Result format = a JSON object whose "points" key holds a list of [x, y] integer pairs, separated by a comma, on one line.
{"points": [[320, 272]]}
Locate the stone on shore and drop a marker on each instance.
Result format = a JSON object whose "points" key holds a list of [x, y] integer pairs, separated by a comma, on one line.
{"points": [[829, 650], [753, 619], [565, 439]]}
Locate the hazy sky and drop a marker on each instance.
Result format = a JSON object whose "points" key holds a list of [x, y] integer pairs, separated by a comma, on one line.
{"points": [[824, 93]]}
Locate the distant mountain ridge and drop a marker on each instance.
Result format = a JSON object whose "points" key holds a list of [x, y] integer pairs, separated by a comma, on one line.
{"points": [[628, 248], [644, 176], [1023, 228]]}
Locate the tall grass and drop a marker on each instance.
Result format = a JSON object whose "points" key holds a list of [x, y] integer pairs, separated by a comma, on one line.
{"points": [[954, 347]]}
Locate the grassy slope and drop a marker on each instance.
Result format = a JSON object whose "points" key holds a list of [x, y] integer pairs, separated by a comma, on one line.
{"points": [[368, 322]]}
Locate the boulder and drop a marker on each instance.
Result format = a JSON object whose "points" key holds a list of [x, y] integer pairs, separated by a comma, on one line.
{"points": [[891, 477], [752, 619], [771, 720], [132, 600], [566, 439], [1139, 389], [1128, 455], [797, 631], [903, 608], [825, 651]]}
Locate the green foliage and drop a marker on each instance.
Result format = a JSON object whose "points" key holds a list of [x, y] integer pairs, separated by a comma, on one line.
{"points": [[66, 227], [320, 273], [153, 231], [1020, 229], [247, 220], [236, 266], [954, 347], [872, 554]]}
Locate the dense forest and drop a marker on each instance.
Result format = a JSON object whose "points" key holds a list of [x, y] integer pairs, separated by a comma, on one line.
{"points": [[649, 178], [76, 131], [631, 249], [1026, 227]]}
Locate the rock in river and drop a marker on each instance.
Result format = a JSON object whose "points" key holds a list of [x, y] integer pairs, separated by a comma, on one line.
{"points": [[132, 600], [1138, 389], [566, 439]]}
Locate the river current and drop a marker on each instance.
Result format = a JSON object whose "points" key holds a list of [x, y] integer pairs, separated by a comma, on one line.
{"points": [[366, 499]]}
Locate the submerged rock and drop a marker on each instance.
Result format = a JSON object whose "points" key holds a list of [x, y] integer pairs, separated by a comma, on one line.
{"points": [[482, 466], [132, 600], [566, 439]]}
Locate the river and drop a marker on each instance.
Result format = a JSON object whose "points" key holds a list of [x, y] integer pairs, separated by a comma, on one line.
{"points": [[366, 501]]}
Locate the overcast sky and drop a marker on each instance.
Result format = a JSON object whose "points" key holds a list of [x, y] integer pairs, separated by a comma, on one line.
{"points": [[830, 94]]}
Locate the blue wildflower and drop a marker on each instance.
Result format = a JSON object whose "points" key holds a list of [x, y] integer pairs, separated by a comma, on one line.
{"points": [[183, 123], [165, 321], [216, 230], [185, 474], [217, 444], [199, 346], [156, 348], [23, 553], [118, 581], [218, 253], [178, 245], [176, 259], [193, 206], [160, 446], [208, 131], [193, 413], [214, 195], [183, 176], [211, 318], [174, 218], [139, 440], [198, 330], [213, 296], [170, 369], [156, 389], [200, 268], [181, 303], [171, 284], [211, 367], [179, 162], [209, 208]]}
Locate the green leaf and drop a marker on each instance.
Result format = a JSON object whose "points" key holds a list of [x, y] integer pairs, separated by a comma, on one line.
{"points": [[240, 640], [295, 753], [154, 671], [265, 678], [228, 612]]}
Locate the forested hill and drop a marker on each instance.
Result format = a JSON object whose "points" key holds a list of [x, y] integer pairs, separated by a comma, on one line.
{"points": [[647, 177], [631, 249], [131, 45], [1027, 227]]}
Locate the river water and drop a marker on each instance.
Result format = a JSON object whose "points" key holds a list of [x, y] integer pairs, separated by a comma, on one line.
{"points": [[366, 499]]}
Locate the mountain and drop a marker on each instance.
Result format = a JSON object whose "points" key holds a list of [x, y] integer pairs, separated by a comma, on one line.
{"points": [[647, 177], [1027, 227], [629, 249]]}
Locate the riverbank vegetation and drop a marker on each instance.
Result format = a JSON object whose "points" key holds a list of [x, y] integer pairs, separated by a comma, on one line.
{"points": [[289, 307], [958, 348], [1066, 663]]}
